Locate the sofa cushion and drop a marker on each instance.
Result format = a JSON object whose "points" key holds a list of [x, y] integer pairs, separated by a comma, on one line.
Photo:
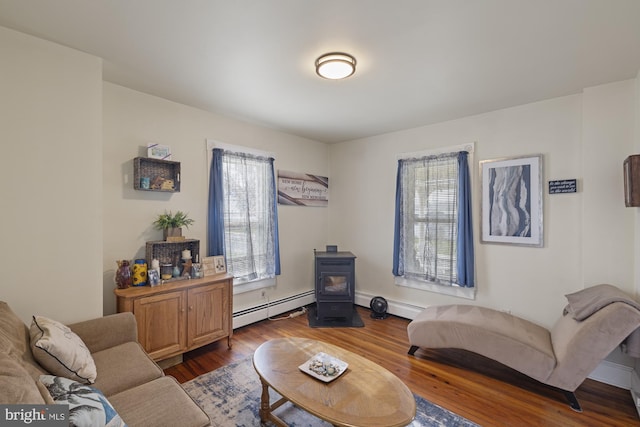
{"points": [[15, 341], [18, 387], [162, 402], [61, 351], [124, 366], [87, 406]]}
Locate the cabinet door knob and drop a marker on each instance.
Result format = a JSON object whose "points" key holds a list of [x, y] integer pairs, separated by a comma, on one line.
{"points": [[190, 308]]}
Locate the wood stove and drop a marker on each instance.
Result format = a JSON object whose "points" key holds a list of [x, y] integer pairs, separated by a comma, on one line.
{"points": [[335, 282]]}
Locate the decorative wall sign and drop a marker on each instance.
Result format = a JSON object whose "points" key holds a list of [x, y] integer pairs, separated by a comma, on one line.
{"points": [[302, 189], [563, 186], [512, 201]]}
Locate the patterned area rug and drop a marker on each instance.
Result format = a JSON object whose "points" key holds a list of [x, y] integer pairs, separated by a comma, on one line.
{"points": [[231, 397]]}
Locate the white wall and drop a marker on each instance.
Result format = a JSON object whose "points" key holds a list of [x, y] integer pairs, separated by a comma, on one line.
{"points": [[133, 119], [51, 175], [608, 116], [587, 235], [61, 126]]}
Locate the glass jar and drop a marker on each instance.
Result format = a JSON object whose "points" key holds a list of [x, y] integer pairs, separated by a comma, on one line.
{"points": [[139, 272], [165, 271]]}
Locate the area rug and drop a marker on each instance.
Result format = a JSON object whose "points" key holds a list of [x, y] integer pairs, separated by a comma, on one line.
{"points": [[231, 397]]}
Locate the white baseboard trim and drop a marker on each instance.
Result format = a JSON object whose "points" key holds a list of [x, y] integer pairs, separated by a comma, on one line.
{"points": [[400, 309], [613, 374], [635, 390], [272, 308]]}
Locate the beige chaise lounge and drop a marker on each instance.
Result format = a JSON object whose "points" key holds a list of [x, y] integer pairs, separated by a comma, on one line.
{"points": [[595, 322]]}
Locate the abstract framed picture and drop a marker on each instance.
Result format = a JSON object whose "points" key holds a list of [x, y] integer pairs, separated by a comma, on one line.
{"points": [[512, 201]]}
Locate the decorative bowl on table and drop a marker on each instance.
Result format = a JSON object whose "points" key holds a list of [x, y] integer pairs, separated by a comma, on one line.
{"points": [[324, 367]]}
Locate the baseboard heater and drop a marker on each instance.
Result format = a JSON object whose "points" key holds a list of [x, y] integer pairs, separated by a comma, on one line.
{"points": [[272, 308]]}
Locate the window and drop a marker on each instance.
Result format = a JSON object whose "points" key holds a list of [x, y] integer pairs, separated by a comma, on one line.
{"points": [[243, 222], [433, 244]]}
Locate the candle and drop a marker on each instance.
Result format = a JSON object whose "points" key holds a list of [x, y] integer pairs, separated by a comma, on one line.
{"points": [[155, 265], [186, 254]]}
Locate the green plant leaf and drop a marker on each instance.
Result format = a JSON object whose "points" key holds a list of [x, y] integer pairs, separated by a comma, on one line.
{"points": [[169, 220]]}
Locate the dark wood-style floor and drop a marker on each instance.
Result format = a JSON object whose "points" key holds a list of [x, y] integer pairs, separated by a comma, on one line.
{"points": [[477, 388]]}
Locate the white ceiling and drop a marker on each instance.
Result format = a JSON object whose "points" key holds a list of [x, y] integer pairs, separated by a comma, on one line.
{"points": [[419, 61]]}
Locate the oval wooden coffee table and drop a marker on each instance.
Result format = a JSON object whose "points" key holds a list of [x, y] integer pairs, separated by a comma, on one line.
{"points": [[366, 394]]}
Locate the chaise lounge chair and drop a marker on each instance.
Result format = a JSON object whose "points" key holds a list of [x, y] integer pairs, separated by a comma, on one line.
{"points": [[594, 323]]}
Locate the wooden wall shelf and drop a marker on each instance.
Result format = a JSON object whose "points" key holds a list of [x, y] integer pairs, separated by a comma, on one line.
{"points": [[163, 175]]}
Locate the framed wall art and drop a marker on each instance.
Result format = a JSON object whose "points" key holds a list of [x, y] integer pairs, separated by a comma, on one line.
{"points": [[512, 201]]}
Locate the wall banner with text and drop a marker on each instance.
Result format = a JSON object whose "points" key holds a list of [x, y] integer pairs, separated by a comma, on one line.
{"points": [[302, 189]]}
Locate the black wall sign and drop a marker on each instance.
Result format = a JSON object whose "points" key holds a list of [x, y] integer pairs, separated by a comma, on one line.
{"points": [[563, 186]]}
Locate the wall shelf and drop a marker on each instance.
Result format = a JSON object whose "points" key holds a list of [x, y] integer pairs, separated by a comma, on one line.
{"points": [[163, 175]]}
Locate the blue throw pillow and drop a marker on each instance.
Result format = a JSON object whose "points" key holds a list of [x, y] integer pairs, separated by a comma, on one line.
{"points": [[87, 405]]}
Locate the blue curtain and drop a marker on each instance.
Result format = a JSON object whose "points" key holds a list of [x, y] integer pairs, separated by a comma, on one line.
{"points": [[275, 219], [398, 269], [215, 217], [465, 256]]}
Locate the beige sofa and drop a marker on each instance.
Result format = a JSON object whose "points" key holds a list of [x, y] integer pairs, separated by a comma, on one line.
{"points": [[595, 321], [134, 384]]}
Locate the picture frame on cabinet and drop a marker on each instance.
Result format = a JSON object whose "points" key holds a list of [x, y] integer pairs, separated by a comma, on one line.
{"points": [[154, 277], [219, 264]]}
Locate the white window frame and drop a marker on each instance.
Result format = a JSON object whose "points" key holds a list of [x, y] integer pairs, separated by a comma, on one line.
{"points": [[453, 290], [240, 287]]}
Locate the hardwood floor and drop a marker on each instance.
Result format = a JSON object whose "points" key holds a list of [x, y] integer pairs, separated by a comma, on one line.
{"points": [[477, 388]]}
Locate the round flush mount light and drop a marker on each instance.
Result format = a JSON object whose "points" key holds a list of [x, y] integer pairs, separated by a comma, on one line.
{"points": [[335, 65]]}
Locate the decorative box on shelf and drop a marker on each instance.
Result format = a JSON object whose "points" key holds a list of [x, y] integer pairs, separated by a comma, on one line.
{"points": [[171, 252], [156, 175]]}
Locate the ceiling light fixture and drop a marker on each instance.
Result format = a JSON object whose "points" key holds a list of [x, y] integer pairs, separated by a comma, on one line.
{"points": [[335, 65]]}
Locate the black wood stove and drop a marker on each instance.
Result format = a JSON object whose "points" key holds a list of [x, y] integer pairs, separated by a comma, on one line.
{"points": [[335, 283]]}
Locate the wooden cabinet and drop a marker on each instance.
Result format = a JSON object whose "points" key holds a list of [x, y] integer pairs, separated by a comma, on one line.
{"points": [[180, 316]]}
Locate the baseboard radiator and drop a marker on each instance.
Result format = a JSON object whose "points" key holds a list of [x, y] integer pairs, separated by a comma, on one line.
{"points": [[272, 308]]}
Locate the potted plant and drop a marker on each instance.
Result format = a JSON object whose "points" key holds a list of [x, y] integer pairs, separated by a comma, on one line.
{"points": [[171, 225]]}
